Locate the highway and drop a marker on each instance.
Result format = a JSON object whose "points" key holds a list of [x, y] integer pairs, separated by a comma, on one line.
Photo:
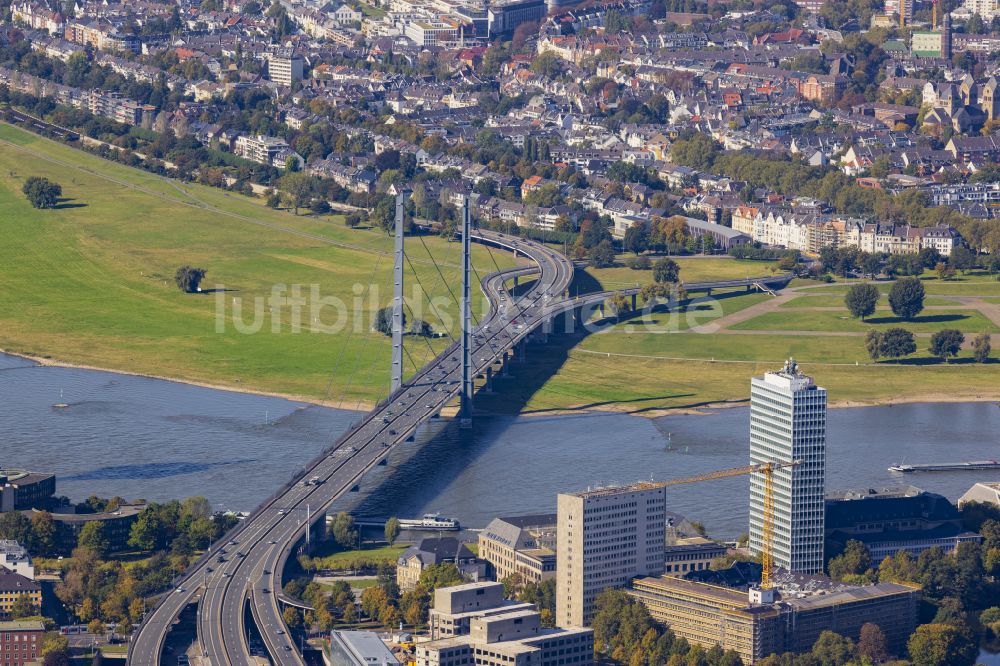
{"points": [[248, 563]]}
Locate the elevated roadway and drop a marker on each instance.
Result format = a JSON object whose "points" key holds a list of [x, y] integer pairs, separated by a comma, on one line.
{"points": [[245, 569]]}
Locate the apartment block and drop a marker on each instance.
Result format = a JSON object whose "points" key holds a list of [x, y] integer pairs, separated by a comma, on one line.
{"points": [[605, 538], [21, 642]]}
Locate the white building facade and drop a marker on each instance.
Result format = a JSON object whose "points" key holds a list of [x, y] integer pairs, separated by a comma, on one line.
{"points": [[788, 423]]}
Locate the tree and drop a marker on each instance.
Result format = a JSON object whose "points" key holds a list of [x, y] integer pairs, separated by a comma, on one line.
{"points": [[383, 320], [946, 343], [372, 600], [897, 343], [291, 164], [962, 258], [445, 574], [95, 626], [53, 643], [603, 255], [637, 238], [23, 607], [981, 347], [666, 270], [56, 659], [299, 187], [188, 278], [945, 272], [15, 526], [292, 617], [941, 645], [906, 298], [93, 538], [43, 534], [872, 644], [422, 329], [873, 344], [861, 300], [391, 529], [343, 531], [854, 561], [41, 192], [619, 303], [832, 649]]}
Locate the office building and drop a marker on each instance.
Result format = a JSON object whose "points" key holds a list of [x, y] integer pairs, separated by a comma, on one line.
{"points": [[15, 557], [788, 423], [505, 18], [359, 648], [21, 642], [457, 606], [284, 67], [522, 546], [605, 538], [712, 614], [20, 490], [497, 632], [889, 520]]}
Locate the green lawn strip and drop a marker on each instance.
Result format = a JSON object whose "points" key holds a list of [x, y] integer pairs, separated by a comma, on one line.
{"points": [[968, 320], [638, 385], [809, 300], [344, 558], [702, 310], [93, 284], [692, 270]]}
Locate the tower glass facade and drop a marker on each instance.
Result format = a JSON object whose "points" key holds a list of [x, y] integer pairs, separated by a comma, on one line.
{"points": [[788, 423]]}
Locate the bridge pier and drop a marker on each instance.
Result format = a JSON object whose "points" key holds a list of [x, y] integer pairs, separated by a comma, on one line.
{"points": [[521, 352], [488, 386], [517, 281], [634, 301]]}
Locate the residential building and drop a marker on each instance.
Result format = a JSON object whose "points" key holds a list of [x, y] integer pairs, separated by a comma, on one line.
{"points": [[496, 632], [523, 546], [359, 648], [15, 557], [714, 613], [13, 586], [889, 520], [265, 150], [987, 9], [21, 642], [605, 538], [787, 424], [435, 550], [926, 44], [284, 67]]}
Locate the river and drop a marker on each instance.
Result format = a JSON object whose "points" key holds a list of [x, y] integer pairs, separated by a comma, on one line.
{"points": [[147, 438]]}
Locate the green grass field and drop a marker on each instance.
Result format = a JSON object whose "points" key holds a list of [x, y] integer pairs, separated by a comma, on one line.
{"points": [[92, 282], [693, 269], [929, 321]]}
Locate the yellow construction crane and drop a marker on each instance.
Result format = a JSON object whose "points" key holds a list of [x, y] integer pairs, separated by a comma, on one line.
{"points": [[767, 469]]}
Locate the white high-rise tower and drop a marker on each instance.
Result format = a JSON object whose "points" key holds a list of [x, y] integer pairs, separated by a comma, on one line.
{"points": [[788, 423]]}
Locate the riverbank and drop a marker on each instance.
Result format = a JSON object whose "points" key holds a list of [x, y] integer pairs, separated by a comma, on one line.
{"points": [[356, 405]]}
